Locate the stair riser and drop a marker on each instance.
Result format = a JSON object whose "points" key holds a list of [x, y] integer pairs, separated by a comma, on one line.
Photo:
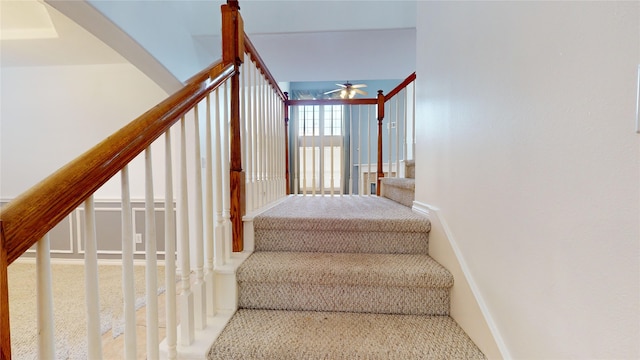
{"points": [[342, 242], [402, 196], [410, 172], [345, 298]]}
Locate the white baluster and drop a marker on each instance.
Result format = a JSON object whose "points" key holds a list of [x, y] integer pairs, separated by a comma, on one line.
{"points": [[226, 174], [331, 153], [186, 297], [92, 298], [405, 126], [243, 127], [260, 144], [219, 240], [151, 268], [303, 175], [249, 137], [170, 252], [264, 148], [413, 121], [313, 154], [276, 147], [321, 152], [280, 147], [267, 142], [209, 277], [295, 147], [256, 136], [200, 301], [248, 166], [46, 341], [128, 282], [270, 143]]}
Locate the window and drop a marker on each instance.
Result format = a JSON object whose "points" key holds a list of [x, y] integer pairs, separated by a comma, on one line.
{"points": [[320, 148]]}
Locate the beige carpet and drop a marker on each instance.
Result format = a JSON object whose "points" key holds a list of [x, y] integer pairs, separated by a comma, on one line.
{"points": [[349, 224], [343, 277], [293, 335], [69, 306]]}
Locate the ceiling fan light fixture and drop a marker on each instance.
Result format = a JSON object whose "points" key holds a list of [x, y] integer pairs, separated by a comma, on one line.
{"points": [[348, 90]]}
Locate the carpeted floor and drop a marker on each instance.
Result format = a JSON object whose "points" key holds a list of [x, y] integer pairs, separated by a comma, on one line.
{"points": [[69, 306], [342, 278]]}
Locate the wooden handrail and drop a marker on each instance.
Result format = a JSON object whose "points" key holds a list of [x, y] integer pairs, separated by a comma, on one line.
{"points": [[365, 101], [400, 86], [251, 50], [5, 334], [31, 215]]}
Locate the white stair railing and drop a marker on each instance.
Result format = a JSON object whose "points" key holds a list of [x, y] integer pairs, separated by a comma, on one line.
{"points": [[263, 137], [209, 223], [197, 207]]}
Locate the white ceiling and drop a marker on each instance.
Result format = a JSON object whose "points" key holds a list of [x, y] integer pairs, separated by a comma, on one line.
{"points": [[303, 40]]}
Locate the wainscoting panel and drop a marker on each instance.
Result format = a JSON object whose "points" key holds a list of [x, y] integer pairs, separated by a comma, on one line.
{"points": [[67, 238]]}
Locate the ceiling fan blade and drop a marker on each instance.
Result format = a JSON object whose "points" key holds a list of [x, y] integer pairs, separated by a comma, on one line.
{"points": [[356, 86], [344, 85], [332, 91], [361, 92]]}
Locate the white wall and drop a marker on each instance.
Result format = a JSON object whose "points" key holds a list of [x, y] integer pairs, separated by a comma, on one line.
{"points": [[527, 145], [50, 115]]}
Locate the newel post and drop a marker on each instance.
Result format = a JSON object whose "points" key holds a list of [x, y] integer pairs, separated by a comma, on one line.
{"points": [[233, 52], [380, 118], [286, 140]]}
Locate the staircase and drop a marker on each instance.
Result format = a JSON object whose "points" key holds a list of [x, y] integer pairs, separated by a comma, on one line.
{"points": [[342, 278], [401, 190]]}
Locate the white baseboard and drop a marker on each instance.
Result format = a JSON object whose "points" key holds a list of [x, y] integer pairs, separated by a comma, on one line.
{"points": [[439, 224]]}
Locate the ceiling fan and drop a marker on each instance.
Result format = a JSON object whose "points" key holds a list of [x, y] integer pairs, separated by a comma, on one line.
{"points": [[348, 90]]}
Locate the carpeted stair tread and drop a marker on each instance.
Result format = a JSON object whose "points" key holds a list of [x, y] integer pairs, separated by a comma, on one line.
{"points": [[410, 169], [280, 335], [341, 213], [349, 224], [342, 277], [400, 190], [345, 269], [402, 183], [374, 283]]}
